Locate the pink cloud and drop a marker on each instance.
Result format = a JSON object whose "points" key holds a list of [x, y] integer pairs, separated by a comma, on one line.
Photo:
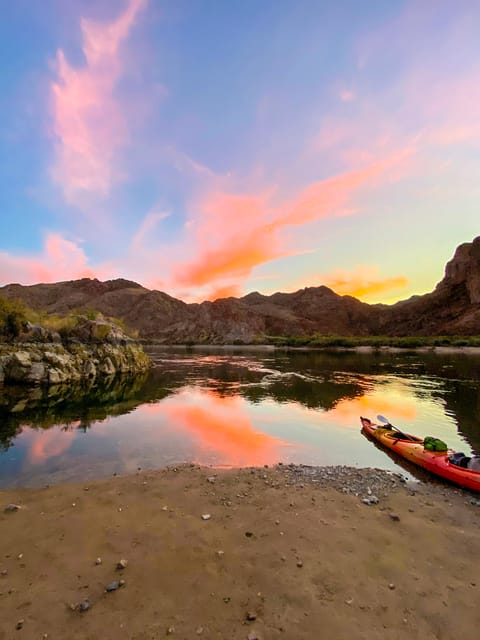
{"points": [[60, 260], [346, 95], [88, 119], [231, 234]]}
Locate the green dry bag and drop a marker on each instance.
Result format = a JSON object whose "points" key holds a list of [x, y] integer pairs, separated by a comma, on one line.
{"points": [[434, 444]]}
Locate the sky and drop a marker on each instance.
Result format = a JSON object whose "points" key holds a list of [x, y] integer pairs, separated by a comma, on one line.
{"points": [[210, 148]]}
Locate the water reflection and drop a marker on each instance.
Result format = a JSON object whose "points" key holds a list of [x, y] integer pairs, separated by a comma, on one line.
{"points": [[236, 408]]}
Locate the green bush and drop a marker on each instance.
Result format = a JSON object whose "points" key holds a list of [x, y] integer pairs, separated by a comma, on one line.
{"points": [[13, 318]]}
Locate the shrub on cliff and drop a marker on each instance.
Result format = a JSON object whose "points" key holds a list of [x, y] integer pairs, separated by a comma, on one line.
{"points": [[13, 318]]}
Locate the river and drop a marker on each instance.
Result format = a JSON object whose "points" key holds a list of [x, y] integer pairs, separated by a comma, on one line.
{"points": [[238, 407]]}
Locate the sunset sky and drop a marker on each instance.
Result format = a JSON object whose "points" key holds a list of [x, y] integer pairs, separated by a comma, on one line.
{"points": [[216, 147]]}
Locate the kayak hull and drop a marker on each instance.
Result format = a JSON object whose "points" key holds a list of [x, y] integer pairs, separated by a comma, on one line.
{"points": [[412, 450]]}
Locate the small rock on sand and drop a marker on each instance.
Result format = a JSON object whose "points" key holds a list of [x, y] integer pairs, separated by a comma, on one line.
{"points": [[206, 516], [122, 564], [394, 516], [98, 561], [12, 507], [83, 606], [20, 624]]}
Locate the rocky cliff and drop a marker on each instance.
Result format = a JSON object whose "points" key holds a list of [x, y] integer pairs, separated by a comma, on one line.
{"points": [[453, 308], [93, 350]]}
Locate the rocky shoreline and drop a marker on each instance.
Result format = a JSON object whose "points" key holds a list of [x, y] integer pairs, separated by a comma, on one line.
{"points": [[34, 364], [91, 349]]}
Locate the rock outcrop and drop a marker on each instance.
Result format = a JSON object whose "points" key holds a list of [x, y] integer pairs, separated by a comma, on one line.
{"points": [[93, 349], [453, 308]]}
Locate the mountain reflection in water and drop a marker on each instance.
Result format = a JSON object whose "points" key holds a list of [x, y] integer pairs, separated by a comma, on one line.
{"points": [[236, 408]]}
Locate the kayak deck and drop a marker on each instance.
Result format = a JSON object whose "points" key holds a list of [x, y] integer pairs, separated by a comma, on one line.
{"points": [[411, 448]]}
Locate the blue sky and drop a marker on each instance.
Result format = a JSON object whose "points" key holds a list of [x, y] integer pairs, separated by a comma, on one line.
{"points": [[215, 148]]}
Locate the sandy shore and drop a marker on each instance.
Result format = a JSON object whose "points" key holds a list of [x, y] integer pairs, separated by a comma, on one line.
{"points": [[300, 558]]}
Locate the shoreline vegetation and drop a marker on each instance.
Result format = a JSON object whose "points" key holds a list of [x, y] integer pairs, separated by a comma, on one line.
{"points": [[16, 316], [249, 554], [368, 344]]}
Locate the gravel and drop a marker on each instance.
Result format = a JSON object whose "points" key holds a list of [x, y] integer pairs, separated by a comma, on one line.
{"points": [[356, 482]]}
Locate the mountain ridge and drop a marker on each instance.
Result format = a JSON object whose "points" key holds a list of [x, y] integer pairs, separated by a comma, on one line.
{"points": [[452, 308]]}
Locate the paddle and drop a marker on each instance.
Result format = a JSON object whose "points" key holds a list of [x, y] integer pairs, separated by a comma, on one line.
{"points": [[387, 423]]}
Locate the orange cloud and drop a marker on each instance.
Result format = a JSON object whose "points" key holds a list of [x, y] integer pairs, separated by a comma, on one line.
{"points": [[363, 282], [60, 260], [87, 118], [225, 292], [232, 234]]}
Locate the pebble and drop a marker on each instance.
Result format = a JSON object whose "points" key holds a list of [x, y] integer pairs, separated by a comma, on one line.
{"points": [[253, 635], [12, 507], [299, 564], [4, 572], [206, 516], [220, 553], [395, 517], [391, 586], [199, 631], [122, 564], [249, 534], [370, 501], [349, 601], [170, 630], [165, 508], [20, 556], [211, 479], [113, 586], [19, 624], [345, 479], [98, 561], [83, 606], [251, 616]]}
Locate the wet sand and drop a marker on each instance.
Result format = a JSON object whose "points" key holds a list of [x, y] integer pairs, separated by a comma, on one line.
{"points": [[319, 563]]}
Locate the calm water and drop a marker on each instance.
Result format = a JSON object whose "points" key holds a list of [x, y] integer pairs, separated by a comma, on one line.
{"points": [[237, 408]]}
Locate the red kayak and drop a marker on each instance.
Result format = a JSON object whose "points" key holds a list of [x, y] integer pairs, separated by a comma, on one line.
{"points": [[438, 462]]}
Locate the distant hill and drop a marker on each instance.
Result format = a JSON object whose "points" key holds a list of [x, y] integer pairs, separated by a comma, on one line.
{"points": [[453, 308]]}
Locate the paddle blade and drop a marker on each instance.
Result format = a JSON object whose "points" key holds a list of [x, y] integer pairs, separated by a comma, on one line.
{"points": [[383, 419]]}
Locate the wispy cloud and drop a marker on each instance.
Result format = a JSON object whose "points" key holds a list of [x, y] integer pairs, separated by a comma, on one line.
{"points": [[88, 119], [231, 234], [146, 228]]}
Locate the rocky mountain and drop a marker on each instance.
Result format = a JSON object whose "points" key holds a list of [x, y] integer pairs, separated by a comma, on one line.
{"points": [[453, 308]]}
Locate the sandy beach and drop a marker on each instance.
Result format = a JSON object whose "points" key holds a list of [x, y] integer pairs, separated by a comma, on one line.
{"points": [[281, 555]]}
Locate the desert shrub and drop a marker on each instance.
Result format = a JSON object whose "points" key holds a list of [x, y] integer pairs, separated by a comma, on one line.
{"points": [[13, 318]]}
